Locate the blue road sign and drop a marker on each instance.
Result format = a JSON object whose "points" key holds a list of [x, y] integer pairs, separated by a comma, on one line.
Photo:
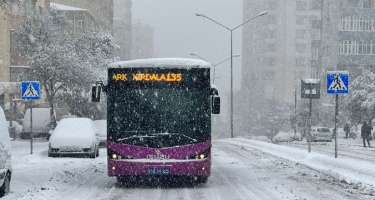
{"points": [[30, 90], [338, 82]]}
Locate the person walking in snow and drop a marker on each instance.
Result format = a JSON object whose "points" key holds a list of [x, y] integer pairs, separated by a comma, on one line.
{"points": [[347, 130], [365, 133]]}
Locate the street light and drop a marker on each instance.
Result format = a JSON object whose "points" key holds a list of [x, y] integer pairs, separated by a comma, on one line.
{"points": [[231, 54], [214, 65]]}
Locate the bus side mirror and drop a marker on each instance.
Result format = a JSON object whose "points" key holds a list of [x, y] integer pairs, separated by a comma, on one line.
{"points": [[215, 105], [95, 93]]}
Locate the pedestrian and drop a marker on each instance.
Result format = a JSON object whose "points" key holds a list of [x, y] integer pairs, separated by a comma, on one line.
{"points": [[347, 130], [365, 133], [370, 131]]}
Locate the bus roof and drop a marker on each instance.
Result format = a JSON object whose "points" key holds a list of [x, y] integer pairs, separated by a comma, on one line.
{"points": [[184, 63]]}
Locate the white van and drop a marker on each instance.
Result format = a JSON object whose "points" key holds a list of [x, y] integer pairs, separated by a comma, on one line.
{"points": [[5, 164], [41, 122], [319, 133]]}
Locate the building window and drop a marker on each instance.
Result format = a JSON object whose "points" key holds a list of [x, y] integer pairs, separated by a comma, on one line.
{"points": [[316, 24], [300, 20], [357, 23], [301, 5], [362, 47], [367, 3], [301, 48], [301, 34], [316, 4]]}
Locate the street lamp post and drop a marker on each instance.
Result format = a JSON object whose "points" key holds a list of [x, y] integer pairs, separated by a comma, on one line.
{"points": [[231, 30]]}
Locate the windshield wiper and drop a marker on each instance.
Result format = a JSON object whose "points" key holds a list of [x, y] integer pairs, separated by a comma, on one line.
{"points": [[153, 135], [170, 134], [134, 136]]}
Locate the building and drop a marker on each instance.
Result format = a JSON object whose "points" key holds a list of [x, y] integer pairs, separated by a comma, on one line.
{"points": [[351, 41], [5, 46], [101, 10], [122, 28], [143, 41], [113, 16], [279, 48], [76, 21]]}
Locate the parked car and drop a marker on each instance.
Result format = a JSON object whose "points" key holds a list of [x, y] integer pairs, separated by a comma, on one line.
{"points": [[101, 131], [319, 133], [74, 136], [41, 123], [5, 164]]}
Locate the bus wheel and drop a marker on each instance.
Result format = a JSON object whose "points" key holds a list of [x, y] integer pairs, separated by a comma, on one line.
{"points": [[5, 188], [202, 179]]}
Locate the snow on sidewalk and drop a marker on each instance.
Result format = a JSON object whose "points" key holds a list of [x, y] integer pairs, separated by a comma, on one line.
{"points": [[348, 169]]}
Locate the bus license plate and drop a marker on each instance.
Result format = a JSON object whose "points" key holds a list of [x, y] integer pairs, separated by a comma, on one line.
{"points": [[158, 171]]}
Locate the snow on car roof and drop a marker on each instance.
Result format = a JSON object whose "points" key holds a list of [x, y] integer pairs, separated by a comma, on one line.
{"points": [[69, 126], [312, 81], [162, 63]]}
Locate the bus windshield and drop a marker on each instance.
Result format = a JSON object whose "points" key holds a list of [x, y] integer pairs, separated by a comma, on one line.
{"points": [[159, 117]]}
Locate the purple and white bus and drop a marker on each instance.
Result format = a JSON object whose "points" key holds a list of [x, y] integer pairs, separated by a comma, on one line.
{"points": [[159, 118]]}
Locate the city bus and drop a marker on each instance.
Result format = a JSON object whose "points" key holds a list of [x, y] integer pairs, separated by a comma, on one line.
{"points": [[159, 118]]}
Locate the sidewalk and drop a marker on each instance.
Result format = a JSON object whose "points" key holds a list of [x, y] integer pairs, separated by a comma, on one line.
{"points": [[344, 168]]}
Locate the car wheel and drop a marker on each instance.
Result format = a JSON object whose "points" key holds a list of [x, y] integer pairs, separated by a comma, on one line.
{"points": [[93, 154], [5, 188]]}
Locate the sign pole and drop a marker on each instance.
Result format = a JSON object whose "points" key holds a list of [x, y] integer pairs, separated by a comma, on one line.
{"points": [[30, 91], [336, 114], [309, 127], [31, 128], [337, 83]]}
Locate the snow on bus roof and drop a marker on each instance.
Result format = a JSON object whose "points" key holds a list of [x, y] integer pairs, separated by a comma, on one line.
{"points": [[162, 63]]}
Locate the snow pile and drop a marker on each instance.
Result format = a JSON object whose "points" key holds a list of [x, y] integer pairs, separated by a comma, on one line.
{"points": [[286, 137], [74, 132], [348, 169]]}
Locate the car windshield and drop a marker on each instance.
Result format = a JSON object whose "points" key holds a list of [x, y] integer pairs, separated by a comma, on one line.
{"points": [[323, 130]]}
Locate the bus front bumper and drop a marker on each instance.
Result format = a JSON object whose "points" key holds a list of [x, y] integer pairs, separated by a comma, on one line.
{"points": [[159, 168]]}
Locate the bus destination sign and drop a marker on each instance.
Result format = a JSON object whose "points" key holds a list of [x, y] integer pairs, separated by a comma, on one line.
{"points": [[157, 77]]}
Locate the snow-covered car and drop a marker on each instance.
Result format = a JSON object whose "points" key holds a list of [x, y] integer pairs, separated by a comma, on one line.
{"points": [[5, 163], [320, 133], [41, 122], [286, 137], [74, 136], [101, 131]]}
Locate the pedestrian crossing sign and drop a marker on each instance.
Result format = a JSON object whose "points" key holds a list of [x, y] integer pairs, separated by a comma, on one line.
{"points": [[338, 82], [30, 90]]}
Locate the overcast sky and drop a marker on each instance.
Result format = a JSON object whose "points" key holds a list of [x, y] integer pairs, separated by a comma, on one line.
{"points": [[179, 32]]}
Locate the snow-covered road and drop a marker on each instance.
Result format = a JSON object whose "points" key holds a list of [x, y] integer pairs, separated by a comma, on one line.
{"points": [[237, 173]]}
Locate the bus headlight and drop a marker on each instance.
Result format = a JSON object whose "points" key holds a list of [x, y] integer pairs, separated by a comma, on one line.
{"points": [[114, 156], [201, 156]]}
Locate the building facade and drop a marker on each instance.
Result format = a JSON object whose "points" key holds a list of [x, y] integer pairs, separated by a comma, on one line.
{"points": [[122, 28], [101, 10], [279, 48], [355, 35]]}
